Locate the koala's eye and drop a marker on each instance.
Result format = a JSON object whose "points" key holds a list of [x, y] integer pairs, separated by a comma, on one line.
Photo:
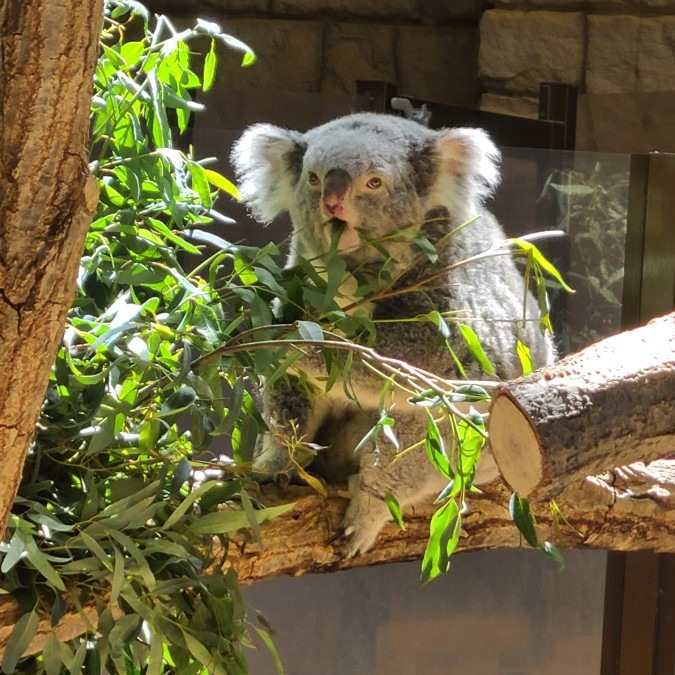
{"points": [[374, 183], [312, 178]]}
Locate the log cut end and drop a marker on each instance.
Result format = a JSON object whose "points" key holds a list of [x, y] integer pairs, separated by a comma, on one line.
{"points": [[515, 446]]}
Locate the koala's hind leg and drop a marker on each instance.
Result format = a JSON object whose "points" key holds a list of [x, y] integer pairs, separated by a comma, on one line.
{"points": [[409, 477]]}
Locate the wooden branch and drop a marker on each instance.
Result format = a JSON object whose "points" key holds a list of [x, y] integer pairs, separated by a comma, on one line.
{"points": [[72, 625], [627, 509], [611, 404]]}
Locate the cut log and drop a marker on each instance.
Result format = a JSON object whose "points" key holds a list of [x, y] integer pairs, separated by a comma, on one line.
{"points": [[611, 404]]}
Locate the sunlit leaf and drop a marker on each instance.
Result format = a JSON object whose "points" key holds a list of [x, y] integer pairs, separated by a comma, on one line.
{"points": [[312, 481], [222, 183], [444, 534], [524, 356], [394, 509], [476, 348], [435, 449], [210, 61]]}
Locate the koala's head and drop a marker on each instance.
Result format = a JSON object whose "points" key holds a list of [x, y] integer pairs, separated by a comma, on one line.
{"points": [[364, 180]]}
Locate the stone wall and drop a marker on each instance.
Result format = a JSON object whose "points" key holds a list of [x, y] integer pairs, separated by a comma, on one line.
{"points": [[602, 46], [428, 47], [475, 53]]}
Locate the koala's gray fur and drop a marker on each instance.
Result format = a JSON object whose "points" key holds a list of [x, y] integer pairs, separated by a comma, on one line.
{"points": [[368, 176]]}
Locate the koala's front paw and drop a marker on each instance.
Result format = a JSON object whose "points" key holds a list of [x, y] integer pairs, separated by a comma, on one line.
{"points": [[273, 462]]}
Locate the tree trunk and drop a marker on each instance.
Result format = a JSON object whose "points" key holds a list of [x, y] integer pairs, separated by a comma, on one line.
{"points": [[47, 200], [611, 404]]}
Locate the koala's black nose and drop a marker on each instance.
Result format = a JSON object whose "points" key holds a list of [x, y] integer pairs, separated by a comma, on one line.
{"points": [[336, 184]]}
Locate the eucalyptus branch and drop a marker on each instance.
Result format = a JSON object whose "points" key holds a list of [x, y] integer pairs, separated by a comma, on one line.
{"points": [[410, 373]]}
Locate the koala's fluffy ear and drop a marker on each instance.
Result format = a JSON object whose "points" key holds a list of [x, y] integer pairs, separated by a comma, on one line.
{"points": [[469, 164], [268, 161]]}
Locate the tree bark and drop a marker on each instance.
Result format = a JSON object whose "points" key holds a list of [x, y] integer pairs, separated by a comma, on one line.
{"points": [[47, 199], [610, 404]]}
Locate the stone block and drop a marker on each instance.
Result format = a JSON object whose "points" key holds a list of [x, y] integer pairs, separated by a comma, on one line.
{"points": [[520, 106], [288, 54], [207, 7], [656, 54], [347, 8], [519, 50], [612, 54], [357, 52], [438, 63], [447, 10], [628, 54]]}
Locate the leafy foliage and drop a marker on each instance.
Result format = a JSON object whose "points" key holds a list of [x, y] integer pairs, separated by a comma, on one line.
{"points": [[109, 515]]}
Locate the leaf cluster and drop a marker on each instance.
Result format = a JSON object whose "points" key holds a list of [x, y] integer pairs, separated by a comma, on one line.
{"points": [[111, 515]]}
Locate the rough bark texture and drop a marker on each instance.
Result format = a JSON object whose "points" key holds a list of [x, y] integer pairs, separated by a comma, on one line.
{"points": [[47, 199], [611, 404]]}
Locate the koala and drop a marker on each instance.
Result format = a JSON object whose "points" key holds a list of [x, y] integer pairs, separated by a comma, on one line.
{"points": [[364, 183]]}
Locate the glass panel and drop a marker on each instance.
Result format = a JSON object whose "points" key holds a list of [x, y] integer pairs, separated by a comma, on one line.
{"points": [[509, 612], [586, 196]]}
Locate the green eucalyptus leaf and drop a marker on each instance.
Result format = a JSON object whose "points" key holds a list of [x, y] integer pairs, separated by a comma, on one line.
{"points": [[23, 632], [435, 449], [210, 61], [445, 529], [39, 561], [208, 238], [179, 401], [51, 655], [524, 356], [268, 642], [222, 183], [552, 552], [118, 575], [309, 330], [17, 548], [521, 515], [395, 509], [200, 183], [476, 348], [228, 522], [78, 658], [122, 632], [188, 503]]}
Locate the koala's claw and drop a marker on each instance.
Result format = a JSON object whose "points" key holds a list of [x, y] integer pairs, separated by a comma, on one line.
{"points": [[356, 543], [339, 534]]}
